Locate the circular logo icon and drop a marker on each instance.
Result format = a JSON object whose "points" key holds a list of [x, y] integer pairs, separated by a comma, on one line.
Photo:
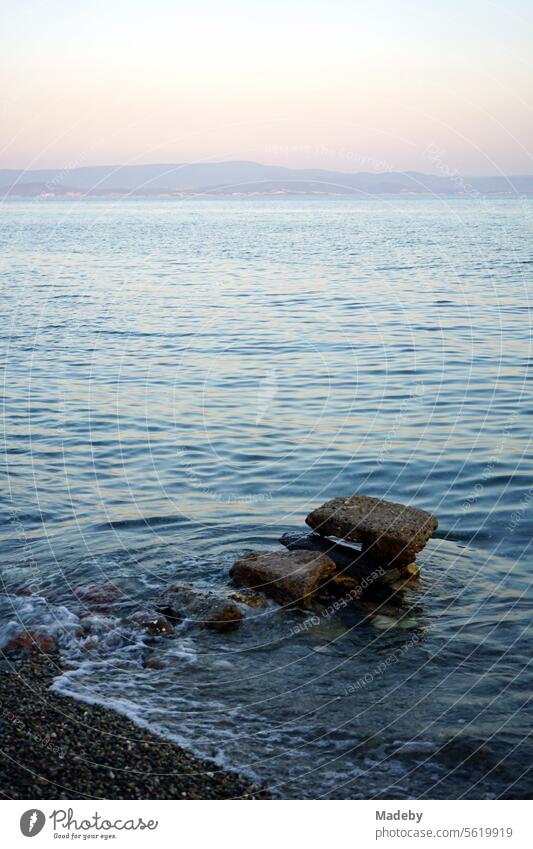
{"points": [[32, 822]]}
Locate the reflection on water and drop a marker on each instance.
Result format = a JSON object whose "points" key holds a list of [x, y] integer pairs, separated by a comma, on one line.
{"points": [[185, 380]]}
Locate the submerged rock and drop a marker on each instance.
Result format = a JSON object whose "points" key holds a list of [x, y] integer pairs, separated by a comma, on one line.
{"points": [[384, 622], [24, 591], [390, 532], [32, 642], [204, 608], [288, 578], [98, 595], [153, 663]]}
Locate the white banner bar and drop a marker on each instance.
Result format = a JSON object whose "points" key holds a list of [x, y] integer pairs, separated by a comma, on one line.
{"points": [[268, 824]]}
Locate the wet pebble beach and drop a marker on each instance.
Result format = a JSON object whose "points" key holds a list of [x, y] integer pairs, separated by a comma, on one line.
{"points": [[56, 748]]}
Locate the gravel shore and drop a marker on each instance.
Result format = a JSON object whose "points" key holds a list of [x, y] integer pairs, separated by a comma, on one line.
{"points": [[54, 747]]}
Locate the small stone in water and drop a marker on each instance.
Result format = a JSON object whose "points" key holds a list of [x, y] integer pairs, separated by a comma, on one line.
{"points": [[384, 622], [408, 623]]}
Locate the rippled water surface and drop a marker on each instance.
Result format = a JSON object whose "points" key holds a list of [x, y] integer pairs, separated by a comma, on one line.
{"points": [[186, 379]]}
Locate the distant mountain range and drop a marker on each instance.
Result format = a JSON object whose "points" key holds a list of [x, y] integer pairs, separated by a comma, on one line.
{"points": [[230, 178]]}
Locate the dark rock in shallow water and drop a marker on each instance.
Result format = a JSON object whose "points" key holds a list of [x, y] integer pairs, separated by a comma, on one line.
{"points": [[155, 623], [288, 578], [32, 642], [389, 531], [201, 607]]}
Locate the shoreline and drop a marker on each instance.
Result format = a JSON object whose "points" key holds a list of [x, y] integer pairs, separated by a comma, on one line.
{"points": [[54, 747]]}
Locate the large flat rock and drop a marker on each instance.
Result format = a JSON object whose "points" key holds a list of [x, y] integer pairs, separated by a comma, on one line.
{"points": [[288, 577], [390, 532]]}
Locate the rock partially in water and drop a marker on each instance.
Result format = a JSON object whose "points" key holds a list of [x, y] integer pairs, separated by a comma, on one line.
{"points": [[392, 533], [250, 599], [155, 623], [32, 642], [201, 607], [345, 585], [401, 574], [362, 567], [288, 578]]}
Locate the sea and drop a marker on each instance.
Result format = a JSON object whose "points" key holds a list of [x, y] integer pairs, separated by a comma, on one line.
{"points": [[184, 379]]}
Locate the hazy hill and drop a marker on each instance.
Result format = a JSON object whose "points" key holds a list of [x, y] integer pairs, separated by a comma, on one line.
{"points": [[245, 177]]}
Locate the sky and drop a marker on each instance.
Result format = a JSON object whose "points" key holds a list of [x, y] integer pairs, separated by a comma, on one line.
{"points": [[438, 87]]}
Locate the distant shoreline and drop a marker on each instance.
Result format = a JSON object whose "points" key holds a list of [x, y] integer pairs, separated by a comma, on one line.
{"points": [[235, 178], [8, 194]]}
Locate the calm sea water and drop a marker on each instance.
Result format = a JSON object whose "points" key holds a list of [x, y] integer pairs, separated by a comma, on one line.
{"points": [[185, 379]]}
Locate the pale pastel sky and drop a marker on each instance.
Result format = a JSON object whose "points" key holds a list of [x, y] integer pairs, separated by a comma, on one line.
{"points": [[344, 84]]}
